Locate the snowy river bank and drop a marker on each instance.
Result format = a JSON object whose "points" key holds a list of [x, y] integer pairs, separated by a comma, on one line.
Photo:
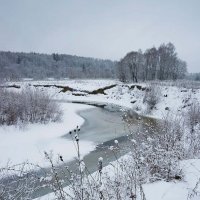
{"points": [[102, 125]]}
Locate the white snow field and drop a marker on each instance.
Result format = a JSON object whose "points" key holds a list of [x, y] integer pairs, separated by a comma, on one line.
{"points": [[174, 95], [174, 99], [28, 144], [180, 190]]}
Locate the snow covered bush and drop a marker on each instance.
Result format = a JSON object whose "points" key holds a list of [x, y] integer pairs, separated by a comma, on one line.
{"points": [[192, 118], [167, 150], [18, 181], [158, 149], [193, 115], [152, 96], [120, 180], [27, 106]]}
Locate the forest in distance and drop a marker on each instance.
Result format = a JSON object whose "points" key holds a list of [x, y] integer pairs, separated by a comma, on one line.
{"points": [[160, 63]]}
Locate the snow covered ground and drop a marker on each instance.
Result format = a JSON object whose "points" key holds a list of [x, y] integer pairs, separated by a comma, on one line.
{"points": [[180, 190], [161, 190], [173, 100], [21, 144]]}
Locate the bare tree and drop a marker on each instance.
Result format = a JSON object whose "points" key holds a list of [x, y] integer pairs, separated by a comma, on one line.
{"points": [[162, 63], [151, 64]]}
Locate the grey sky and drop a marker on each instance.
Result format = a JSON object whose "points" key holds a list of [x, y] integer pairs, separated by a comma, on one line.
{"points": [[101, 28]]}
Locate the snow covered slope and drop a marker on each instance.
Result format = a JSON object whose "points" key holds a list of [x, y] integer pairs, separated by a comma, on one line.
{"points": [[174, 97], [28, 144]]}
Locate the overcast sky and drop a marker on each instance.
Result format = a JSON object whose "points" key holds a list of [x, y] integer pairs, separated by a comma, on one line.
{"points": [[101, 28]]}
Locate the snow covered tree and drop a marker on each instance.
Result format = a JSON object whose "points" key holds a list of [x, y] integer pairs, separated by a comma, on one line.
{"points": [[162, 63]]}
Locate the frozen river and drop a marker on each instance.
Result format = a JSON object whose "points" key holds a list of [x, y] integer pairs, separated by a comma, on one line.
{"points": [[104, 124]]}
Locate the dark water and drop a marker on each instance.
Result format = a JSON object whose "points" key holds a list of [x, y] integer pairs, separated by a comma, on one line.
{"points": [[103, 125]]}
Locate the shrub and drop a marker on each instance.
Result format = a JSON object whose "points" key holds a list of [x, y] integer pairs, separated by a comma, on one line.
{"points": [[193, 130], [27, 106], [152, 96], [193, 115], [167, 149]]}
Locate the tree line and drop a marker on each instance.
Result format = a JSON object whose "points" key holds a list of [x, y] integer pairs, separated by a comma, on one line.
{"points": [[39, 66], [160, 63], [193, 76]]}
